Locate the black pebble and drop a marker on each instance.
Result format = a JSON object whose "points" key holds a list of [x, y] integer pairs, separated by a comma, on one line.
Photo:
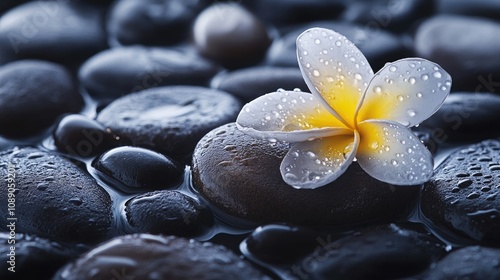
{"points": [[55, 198], [139, 169], [33, 94], [170, 120], [463, 196], [250, 83], [116, 72], [167, 212]]}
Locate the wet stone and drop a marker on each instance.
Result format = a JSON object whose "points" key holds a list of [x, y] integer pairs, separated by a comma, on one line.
{"points": [[170, 120], [276, 243], [168, 212], [230, 35], [152, 22], [480, 8], [54, 197], [59, 31], [145, 256], [134, 169], [473, 262], [465, 47], [465, 116], [250, 83], [33, 94], [389, 251], [116, 72], [240, 175], [35, 257], [7, 4], [463, 196], [378, 46], [80, 136], [394, 15]]}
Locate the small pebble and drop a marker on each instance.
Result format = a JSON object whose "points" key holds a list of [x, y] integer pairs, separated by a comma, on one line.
{"points": [[168, 212], [138, 169], [33, 94], [145, 256], [170, 120]]}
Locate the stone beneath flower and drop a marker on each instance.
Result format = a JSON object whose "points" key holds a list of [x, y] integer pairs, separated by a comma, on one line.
{"points": [[351, 113]]}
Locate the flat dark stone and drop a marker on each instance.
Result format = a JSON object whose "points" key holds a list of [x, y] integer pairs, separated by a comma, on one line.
{"points": [[55, 198], [116, 72], [60, 31], [463, 196], [391, 251], [240, 175], [145, 256], [250, 83], [168, 212], [465, 116], [378, 46], [33, 94], [465, 47], [138, 169], [170, 120]]}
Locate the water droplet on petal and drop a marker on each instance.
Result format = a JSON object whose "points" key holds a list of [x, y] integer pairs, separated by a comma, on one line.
{"points": [[400, 98], [419, 94], [311, 154], [412, 80], [280, 90], [437, 74], [305, 52], [377, 89], [411, 113], [317, 41], [316, 73], [357, 76], [393, 68], [338, 43], [424, 77], [394, 162], [374, 145]]}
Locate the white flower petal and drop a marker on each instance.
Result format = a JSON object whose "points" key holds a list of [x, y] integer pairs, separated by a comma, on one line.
{"points": [[289, 116], [391, 153], [312, 164], [335, 69], [407, 91]]}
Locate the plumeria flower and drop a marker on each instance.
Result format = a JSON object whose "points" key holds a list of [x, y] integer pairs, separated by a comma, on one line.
{"points": [[351, 114]]}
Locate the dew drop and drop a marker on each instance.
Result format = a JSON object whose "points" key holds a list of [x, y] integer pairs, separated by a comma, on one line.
{"points": [[279, 107], [412, 65], [411, 113], [374, 145], [437, 74], [280, 90], [357, 76], [316, 73], [330, 79], [412, 80], [394, 162], [311, 154], [393, 68], [305, 52], [317, 41], [308, 65], [377, 89], [419, 94], [338, 43], [424, 77], [283, 99], [400, 98]]}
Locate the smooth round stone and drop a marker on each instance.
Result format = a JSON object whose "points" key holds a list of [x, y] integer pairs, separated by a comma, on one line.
{"points": [[230, 35], [463, 195], [465, 47], [116, 72], [80, 136], [172, 119], [33, 94], [395, 15], [138, 169], [34, 257], [60, 31], [473, 262], [378, 46], [250, 83], [481, 8], [145, 256], [277, 243], [287, 12], [54, 198], [240, 175], [152, 22], [391, 251], [465, 116], [168, 212]]}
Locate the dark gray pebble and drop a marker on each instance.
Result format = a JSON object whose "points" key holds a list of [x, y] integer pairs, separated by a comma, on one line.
{"points": [[145, 256], [54, 198], [60, 31], [465, 116], [473, 262], [168, 212], [391, 251], [230, 35], [152, 22], [479, 8], [33, 257], [170, 120], [250, 83], [138, 169], [240, 175], [378, 46], [33, 94], [463, 196], [466, 47], [116, 72]]}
